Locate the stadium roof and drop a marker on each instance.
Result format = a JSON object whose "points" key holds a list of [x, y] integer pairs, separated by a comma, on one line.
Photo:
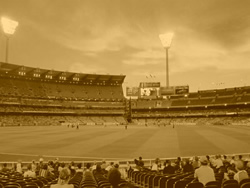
{"points": [[13, 69]]}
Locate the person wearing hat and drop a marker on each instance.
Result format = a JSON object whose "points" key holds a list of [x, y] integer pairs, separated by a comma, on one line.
{"points": [[204, 173]]}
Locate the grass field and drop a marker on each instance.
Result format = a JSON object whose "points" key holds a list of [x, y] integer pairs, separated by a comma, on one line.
{"points": [[27, 143]]}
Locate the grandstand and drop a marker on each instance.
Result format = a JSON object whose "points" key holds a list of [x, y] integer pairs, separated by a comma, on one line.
{"points": [[219, 106], [33, 96]]}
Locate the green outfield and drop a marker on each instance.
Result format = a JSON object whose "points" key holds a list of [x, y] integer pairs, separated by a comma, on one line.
{"points": [[27, 143]]}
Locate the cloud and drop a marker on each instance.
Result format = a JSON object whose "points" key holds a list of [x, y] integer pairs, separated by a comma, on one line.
{"points": [[85, 68]]}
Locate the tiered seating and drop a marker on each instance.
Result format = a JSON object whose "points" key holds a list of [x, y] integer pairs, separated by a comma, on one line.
{"points": [[88, 180], [31, 88], [150, 179], [16, 180], [76, 180]]}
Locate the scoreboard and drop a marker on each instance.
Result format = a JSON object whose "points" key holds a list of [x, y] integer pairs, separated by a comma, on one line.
{"points": [[153, 90]]}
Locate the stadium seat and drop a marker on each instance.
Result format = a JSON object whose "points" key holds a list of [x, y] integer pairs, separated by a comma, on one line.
{"points": [[215, 183], [12, 186], [194, 185], [230, 182], [156, 180], [181, 183], [171, 181], [245, 185], [231, 185], [244, 181]]}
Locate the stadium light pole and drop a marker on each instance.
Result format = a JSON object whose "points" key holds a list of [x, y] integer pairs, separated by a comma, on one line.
{"points": [[166, 40], [9, 28]]}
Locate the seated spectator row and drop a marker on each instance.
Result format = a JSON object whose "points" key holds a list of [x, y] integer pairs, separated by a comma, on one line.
{"points": [[38, 89], [48, 120]]}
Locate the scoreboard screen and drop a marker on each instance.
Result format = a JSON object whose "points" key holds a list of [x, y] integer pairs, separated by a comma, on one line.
{"points": [[132, 91], [146, 92]]}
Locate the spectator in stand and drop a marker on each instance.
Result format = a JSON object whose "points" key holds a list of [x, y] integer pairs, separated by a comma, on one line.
{"points": [[94, 166], [51, 169], [241, 158], [187, 166], [209, 161], [33, 166], [110, 166], [114, 176], [226, 161], [63, 180], [29, 172], [196, 163], [79, 167], [62, 165], [230, 172], [88, 165], [178, 165], [232, 161], [40, 166], [5, 169], [241, 172], [140, 162], [204, 173], [104, 165], [44, 171], [72, 168], [19, 167], [155, 166], [168, 168], [218, 163], [98, 170], [248, 167], [136, 168], [56, 166]]}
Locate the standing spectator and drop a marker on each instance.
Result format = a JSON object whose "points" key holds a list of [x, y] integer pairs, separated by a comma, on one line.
{"points": [[241, 172], [140, 162], [39, 166], [29, 172], [137, 167], [44, 171], [63, 180], [114, 176], [19, 167], [33, 166], [204, 173]]}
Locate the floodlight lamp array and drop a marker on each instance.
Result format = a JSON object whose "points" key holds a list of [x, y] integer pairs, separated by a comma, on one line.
{"points": [[8, 25], [166, 39]]}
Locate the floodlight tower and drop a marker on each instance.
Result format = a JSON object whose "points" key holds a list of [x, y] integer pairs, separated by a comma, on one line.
{"points": [[166, 40], [9, 28]]}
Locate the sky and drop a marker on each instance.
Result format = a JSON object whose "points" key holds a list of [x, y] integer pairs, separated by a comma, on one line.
{"points": [[210, 48]]}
